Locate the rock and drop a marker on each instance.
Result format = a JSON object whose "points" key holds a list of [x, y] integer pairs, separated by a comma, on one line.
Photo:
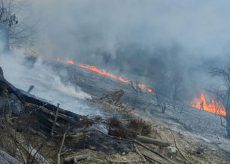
{"points": [[75, 158], [172, 150]]}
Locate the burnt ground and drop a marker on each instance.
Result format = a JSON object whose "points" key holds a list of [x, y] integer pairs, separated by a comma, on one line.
{"points": [[190, 119], [193, 136], [197, 125]]}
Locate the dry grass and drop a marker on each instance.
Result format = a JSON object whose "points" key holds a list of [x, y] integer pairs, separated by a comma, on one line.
{"points": [[114, 122], [140, 126]]}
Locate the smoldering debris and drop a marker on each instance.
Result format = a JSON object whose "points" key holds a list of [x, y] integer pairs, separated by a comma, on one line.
{"points": [[41, 127], [49, 128]]}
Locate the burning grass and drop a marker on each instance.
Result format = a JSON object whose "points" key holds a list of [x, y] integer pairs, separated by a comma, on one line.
{"points": [[211, 106], [83, 137]]}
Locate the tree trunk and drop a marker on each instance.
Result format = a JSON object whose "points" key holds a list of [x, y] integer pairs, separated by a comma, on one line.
{"points": [[227, 108], [4, 39], [228, 122]]}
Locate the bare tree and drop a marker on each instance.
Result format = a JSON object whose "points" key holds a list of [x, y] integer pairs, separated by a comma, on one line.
{"points": [[170, 89], [12, 31], [224, 74], [219, 96]]}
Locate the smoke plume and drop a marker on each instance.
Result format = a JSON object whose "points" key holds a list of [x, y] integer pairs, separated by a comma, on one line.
{"points": [[154, 41]]}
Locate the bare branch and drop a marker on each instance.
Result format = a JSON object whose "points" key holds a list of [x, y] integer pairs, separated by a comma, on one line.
{"points": [[224, 74]]}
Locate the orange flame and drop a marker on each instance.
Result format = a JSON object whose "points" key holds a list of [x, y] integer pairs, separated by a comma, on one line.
{"points": [[113, 76], [96, 70], [201, 103], [69, 61], [121, 79]]}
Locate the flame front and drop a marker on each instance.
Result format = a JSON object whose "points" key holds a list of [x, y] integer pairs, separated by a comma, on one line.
{"points": [[113, 76], [96, 70], [119, 78], [69, 61], [201, 103]]}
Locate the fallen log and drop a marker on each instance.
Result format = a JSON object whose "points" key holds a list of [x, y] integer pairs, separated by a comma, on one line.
{"points": [[163, 159], [76, 158], [6, 158], [155, 159], [35, 154], [148, 140], [45, 113]]}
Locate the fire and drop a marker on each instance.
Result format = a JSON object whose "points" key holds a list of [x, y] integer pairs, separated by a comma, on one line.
{"points": [[201, 103], [122, 79], [69, 61], [118, 78], [99, 71]]}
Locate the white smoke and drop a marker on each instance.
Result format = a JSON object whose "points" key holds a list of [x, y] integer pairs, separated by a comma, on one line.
{"points": [[201, 27], [47, 84]]}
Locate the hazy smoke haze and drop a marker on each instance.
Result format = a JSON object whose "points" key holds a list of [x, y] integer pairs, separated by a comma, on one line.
{"points": [[150, 38]]}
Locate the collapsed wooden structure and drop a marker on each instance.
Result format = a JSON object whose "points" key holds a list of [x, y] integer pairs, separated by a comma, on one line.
{"points": [[80, 132], [50, 121]]}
